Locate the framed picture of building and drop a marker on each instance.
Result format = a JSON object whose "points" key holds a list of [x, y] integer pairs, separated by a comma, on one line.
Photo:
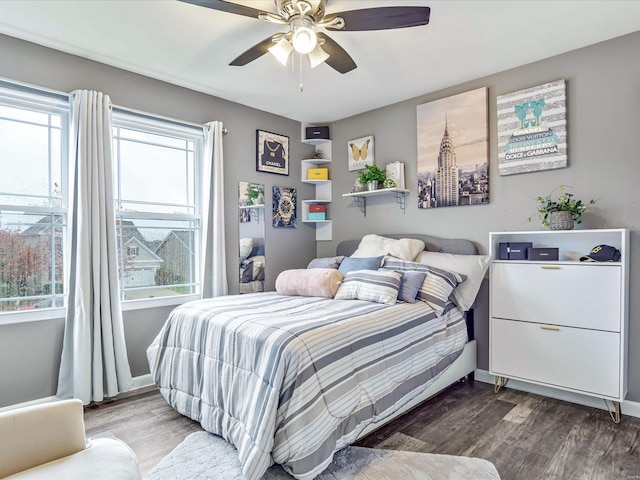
{"points": [[284, 207], [272, 153], [453, 151], [532, 129]]}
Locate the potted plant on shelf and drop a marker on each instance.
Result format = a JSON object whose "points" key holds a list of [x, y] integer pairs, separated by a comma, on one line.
{"points": [[371, 176], [255, 194], [561, 214]]}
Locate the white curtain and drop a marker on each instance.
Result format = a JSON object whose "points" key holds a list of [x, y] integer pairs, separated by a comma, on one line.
{"points": [[94, 362], [214, 264]]}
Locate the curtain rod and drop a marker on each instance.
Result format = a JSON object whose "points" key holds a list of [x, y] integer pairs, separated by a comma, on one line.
{"points": [[27, 87], [182, 123]]}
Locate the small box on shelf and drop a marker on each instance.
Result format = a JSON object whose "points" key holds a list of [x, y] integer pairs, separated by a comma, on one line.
{"points": [[514, 250], [317, 215], [318, 174], [543, 253], [317, 133], [317, 208]]}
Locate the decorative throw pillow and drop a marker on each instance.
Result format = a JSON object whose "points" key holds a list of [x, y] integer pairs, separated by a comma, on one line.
{"points": [[410, 285], [315, 282], [327, 262], [258, 267], [473, 266], [369, 263], [437, 285], [246, 271], [372, 285], [373, 245], [246, 245]]}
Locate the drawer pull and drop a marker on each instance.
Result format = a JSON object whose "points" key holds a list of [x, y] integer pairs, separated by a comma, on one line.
{"points": [[547, 327], [550, 267]]}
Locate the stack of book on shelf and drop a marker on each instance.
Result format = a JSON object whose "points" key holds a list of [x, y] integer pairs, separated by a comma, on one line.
{"points": [[317, 212]]}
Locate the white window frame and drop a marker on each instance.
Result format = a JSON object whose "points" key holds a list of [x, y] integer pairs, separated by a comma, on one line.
{"points": [[28, 97], [149, 123]]}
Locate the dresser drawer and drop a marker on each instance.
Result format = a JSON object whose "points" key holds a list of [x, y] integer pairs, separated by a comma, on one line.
{"points": [[586, 296], [574, 358]]}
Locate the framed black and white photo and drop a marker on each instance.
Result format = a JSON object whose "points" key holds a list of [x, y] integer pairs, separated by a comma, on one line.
{"points": [[284, 207], [453, 150], [272, 153]]}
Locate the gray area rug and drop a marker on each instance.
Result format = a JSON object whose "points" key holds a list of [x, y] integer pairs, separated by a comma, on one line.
{"points": [[204, 456]]}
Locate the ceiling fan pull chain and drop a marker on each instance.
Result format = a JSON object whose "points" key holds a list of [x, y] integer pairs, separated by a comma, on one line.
{"points": [[301, 84]]}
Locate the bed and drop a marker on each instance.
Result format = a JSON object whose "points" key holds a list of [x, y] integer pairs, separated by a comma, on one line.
{"points": [[293, 379]]}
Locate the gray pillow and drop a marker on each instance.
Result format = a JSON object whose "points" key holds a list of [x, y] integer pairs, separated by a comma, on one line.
{"points": [[327, 262], [350, 264], [409, 286], [436, 287]]}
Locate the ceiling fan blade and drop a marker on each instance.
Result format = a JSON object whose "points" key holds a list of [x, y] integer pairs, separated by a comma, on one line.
{"points": [[381, 18], [338, 59], [224, 6], [253, 53]]}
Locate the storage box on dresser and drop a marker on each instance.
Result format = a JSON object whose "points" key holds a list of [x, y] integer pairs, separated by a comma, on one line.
{"points": [[561, 324]]}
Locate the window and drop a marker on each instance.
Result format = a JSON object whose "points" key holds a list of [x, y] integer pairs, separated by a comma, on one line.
{"points": [[157, 207], [33, 153]]}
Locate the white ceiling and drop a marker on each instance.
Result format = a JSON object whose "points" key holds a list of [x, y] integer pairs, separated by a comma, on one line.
{"points": [[191, 46]]}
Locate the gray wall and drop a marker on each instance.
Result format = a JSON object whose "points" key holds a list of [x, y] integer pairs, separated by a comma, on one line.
{"points": [[604, 144], [30, 352], [604, 147]]}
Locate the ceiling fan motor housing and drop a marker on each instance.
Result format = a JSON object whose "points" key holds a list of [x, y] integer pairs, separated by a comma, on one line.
{"points": [[290, 8]]}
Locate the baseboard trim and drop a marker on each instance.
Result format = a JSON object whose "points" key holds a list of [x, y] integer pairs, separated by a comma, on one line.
{"points": [[628, 407], [142, 381], [139, 383]]}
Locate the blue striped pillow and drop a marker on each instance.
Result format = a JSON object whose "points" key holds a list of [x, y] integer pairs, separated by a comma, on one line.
{"points": [[436, 287], [379, 286]]}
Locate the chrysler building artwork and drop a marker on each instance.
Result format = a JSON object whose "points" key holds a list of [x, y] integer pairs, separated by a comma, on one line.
{"points": [[453, 158]]}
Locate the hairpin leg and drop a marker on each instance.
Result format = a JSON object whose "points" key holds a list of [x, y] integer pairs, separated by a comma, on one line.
{"points": [[499, 382], [615, 414]]}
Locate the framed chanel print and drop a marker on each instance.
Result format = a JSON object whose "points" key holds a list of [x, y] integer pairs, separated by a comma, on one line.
{"points": [[284, 207], [272, 153]]}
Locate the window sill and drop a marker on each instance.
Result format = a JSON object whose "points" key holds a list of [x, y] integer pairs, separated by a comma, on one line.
{"points": [[158, 302], [10, 318]]}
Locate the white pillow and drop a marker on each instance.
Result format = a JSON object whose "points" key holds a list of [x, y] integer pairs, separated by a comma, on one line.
{"points": [[472, 266], [246, 245], [373, 245]]}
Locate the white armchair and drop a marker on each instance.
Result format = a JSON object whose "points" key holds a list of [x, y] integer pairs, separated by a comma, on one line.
{"points": [[48, 442]]}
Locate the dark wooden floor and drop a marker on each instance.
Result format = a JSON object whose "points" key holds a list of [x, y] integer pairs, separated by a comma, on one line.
{"points": [[527, 437]]}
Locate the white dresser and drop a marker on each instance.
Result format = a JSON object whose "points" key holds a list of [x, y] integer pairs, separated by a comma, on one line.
{"points": [[561, 324]]}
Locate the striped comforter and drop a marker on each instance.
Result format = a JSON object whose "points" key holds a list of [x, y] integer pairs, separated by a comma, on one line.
{"points": [[292, 380]]}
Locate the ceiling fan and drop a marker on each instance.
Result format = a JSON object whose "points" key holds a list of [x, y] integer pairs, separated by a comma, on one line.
{"points": [[304, 17]]}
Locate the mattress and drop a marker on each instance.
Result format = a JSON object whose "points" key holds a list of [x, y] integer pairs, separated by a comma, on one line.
{"points": [[292, 380]]}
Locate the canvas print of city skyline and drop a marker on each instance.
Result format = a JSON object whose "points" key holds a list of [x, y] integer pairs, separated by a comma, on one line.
{"points": [[453, 151]]}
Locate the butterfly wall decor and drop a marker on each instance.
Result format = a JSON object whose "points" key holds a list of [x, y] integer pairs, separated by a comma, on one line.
{"points": [[360, 152]]}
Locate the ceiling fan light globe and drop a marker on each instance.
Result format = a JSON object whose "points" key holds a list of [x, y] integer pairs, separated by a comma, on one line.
{"points": [[281, 50], [317, 56], [304, 40]]}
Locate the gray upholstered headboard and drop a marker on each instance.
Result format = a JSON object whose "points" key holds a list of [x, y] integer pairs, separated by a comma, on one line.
{"points": [[432, 244]]}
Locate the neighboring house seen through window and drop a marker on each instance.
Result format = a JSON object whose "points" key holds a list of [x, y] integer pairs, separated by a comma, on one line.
{"points": [[33, 198], [157, 208]]}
